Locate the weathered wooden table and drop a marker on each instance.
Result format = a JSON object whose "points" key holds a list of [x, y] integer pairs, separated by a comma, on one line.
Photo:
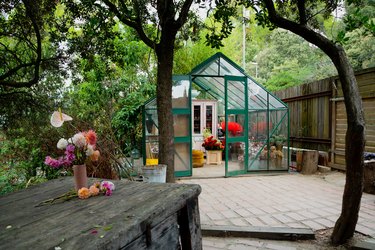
{"points": [[137, 216]]}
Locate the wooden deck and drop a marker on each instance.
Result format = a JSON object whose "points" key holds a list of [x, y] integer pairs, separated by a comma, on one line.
{"points": [[137, 216]]}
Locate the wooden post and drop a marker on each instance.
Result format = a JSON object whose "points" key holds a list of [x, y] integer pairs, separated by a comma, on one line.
{"points": [[310, 161], [369, 177], [189, 222]]}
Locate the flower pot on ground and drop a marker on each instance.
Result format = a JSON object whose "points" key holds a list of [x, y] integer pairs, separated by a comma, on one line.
{"points": [[198, 160], [213, 157], [214, 150]]}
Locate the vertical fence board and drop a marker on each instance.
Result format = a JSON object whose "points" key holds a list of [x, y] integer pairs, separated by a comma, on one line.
{"points": [[318, 115]]}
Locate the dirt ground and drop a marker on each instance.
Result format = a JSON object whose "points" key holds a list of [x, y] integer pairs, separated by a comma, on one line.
{"points": [[322, 240]]}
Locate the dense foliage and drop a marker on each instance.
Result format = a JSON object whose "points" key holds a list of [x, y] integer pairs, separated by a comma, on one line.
{"points": [[103, 78]]}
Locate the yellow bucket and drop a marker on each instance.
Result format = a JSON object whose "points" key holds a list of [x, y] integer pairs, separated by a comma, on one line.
{"points": [[151, 162]]}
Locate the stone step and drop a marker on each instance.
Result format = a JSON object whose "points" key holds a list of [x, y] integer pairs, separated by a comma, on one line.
{"points": [[270, 233], [323, 169]]}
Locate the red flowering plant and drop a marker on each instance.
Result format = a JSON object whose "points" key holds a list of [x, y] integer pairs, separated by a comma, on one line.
{"points": [[210, 143]]}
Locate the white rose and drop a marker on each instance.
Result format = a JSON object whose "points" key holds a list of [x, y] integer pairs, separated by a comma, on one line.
{"points": [[79, 140], [89, 150], [62, 143]]}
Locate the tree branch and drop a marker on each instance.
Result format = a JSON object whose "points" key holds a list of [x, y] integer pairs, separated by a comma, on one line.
{"points": [[38, 60], [183, 14], [302, 12], [302, 30], [136, 24]]}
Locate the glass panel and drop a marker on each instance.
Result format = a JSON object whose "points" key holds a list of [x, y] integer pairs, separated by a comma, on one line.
{"points": [[255, 99], [151, 122], [181, 125], [152, 147], [151, 104], [197, 119], [258, 131], [180, 94], [275, 103], [268, 152], [182, 156], [228, 69], [236, 124], [236, 156], [209, 117], [235, 95], [278, 140]]}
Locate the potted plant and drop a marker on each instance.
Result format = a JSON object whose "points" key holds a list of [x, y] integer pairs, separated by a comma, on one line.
{"points": [[278, 141], [214, 148]]}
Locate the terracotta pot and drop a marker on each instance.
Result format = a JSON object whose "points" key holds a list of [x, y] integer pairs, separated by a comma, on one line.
{"points": [[80, 176]]}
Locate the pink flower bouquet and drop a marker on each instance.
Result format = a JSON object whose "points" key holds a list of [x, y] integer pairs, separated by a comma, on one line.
{"points": [[77, 150]]}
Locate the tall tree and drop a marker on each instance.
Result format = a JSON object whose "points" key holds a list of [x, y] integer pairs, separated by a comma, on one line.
{"points": [[157, 24], [300, 18]]}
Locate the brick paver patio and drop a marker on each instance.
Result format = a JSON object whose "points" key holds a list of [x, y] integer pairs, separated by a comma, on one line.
{"points": [[288, 200]]}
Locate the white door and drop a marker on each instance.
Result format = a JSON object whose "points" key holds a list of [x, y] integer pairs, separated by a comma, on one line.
{"points": [[204, 116]]}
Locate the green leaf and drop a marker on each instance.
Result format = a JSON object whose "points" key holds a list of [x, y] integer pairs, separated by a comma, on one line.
{"points": [[107, 228]]}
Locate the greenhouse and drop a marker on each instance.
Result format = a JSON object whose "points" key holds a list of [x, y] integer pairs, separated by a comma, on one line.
{"points": [[218, 103]]}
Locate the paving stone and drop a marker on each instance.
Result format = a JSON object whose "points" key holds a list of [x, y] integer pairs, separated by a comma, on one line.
{"points": [[225, 222], [313, 225], [278, 247], [320, 212], [215, 216], [269, 220], [213, 243], [243, 212], [366, 244], [325, 222], [365, 230], [256, 211], [309, 201], [255, 222], [296, 216], [308, 214], [239, 222], [283, 219]]}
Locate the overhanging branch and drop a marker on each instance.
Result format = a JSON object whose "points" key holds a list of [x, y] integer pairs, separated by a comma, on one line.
{"points": [[135, 24], [183, 14], [302, 30]]}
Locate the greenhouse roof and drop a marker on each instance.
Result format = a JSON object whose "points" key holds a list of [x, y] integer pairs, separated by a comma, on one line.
{"points": [[209, 75]]}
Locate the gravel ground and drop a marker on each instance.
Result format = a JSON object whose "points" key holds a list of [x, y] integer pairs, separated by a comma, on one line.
{"points": [[322, 242]]}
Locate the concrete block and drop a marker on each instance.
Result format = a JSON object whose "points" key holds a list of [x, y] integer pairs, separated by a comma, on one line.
{"points": [[323, 169]]}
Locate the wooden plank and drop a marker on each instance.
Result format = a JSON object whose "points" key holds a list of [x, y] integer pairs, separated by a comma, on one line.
{"points": [[337, 166], [132, 210]]}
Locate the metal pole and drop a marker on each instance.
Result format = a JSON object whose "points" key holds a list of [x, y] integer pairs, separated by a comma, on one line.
{"points": [[243, 38]]}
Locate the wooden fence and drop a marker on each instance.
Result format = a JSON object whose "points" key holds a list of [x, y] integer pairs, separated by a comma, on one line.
{"points": [[318, 116]]}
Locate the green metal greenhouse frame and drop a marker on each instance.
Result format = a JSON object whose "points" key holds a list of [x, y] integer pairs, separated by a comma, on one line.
{"points": [[261, 145]]}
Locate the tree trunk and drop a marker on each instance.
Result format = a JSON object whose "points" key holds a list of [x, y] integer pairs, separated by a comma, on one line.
{"points": [[354, 147], [355, 134], [164, 52]]}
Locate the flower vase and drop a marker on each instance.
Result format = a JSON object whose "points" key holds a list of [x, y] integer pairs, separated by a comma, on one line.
{"points": [[80, 176]]}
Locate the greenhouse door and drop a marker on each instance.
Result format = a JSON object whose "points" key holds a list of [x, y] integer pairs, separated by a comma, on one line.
{"points": [[236, 143], [181, 103]]}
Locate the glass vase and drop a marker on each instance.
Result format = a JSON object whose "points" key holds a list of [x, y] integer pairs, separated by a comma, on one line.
{"points": [[80, 176]]}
